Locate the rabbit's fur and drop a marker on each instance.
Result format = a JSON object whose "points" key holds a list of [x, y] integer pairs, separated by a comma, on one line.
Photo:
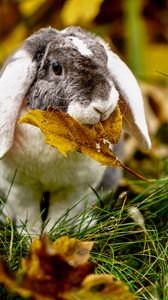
{"points": [[88, 84]]}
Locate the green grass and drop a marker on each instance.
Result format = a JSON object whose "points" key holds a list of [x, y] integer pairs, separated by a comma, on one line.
{"points": [[134, 248]]}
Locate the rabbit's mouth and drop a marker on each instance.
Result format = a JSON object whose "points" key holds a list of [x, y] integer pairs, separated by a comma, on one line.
{"points": [[97, 110]]}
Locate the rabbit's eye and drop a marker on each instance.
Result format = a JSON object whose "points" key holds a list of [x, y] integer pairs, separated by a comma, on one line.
{"points": [[57, 68]]}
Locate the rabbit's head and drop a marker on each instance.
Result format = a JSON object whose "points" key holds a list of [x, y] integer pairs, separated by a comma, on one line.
{"points": [[72, 71], [73, 77]]}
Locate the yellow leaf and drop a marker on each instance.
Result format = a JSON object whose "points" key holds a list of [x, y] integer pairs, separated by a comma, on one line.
{"points": [[73, 251], [75, 12], [67, 134], [60, 270], [50, 269], [100, 287]]}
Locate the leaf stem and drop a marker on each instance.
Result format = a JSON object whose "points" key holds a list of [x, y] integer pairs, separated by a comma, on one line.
{"points": [[150, 180]]}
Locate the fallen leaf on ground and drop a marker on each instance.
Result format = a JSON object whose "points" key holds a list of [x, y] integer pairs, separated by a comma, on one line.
{"points": [[100, 287], [61, 271]]}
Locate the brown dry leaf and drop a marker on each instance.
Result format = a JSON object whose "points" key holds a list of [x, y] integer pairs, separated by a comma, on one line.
{"points": [[60, 271], [67, 134], [74, 252], [50, 269], [101, 287]]}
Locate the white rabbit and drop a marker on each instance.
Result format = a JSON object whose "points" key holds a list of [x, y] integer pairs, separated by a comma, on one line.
{"points": [[76, 72]]}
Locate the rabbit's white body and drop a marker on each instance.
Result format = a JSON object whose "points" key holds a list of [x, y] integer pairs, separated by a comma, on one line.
{"points": [[35, 168], [76, 72]]}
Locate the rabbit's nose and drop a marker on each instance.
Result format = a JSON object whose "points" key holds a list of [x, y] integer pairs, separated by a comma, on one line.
{"points": [[106, 106], [102, 109], [104, 112]]}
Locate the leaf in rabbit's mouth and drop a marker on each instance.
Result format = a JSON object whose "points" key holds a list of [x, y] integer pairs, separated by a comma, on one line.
{"points": [[67, 134]]}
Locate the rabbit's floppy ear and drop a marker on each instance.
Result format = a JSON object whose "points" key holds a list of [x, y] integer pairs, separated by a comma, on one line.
{"points": [[15, 81], [131, 102]]}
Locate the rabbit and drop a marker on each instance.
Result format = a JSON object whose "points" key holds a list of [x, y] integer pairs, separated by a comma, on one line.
{"points": [[73, 71]]}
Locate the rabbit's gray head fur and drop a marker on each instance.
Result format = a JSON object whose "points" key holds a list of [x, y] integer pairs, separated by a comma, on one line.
{"points": [[82, 77]]}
